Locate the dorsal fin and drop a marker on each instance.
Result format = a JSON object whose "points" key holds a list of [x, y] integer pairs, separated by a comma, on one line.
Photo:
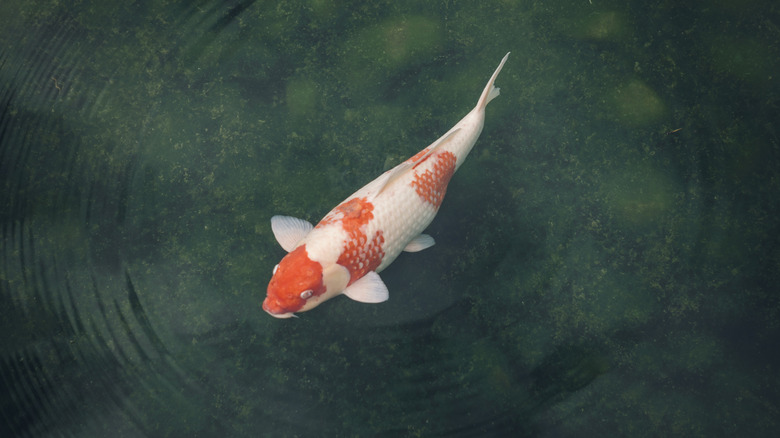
{"points": [[407, 165]]}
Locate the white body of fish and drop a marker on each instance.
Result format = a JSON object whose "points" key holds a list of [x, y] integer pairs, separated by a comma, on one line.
{"points": [[367, 231]]}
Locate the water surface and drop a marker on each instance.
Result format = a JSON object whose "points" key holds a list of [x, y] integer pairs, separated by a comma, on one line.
{"points": [[606, 263]]}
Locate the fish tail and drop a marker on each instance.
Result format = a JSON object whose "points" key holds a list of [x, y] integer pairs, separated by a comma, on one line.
{"points": [[491, 91]]}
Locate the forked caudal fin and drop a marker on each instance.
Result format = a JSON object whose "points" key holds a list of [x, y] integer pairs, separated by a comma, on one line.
{"points": [[491, 92]]}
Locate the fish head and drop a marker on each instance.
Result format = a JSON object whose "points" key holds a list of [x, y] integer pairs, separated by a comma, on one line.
{"points": [[296, 281]]}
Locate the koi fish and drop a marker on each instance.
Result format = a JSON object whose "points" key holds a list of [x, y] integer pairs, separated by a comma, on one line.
{"points": [[359, 238]]}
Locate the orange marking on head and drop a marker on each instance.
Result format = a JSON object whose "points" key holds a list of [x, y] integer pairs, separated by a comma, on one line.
{"points": [[431, 185], [296, 273]]}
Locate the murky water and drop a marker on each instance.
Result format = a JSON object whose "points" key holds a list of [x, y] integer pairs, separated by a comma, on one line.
{"points": [[607, 259]]}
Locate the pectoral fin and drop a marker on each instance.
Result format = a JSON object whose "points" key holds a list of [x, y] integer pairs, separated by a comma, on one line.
{"points": [[419, 243], [289, 230], [369, 289]]}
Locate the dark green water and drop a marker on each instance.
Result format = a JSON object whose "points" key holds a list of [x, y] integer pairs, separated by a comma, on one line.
{"points": [[607, 259]]}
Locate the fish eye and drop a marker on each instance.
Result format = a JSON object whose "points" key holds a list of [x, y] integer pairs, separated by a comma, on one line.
{"points": [[275, 268], [306, 294]]}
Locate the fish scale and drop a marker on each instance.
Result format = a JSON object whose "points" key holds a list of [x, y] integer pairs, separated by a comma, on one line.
{"points": [[367, 231]]}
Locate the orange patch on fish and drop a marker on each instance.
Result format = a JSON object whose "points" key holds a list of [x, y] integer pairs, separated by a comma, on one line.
{"points": [[431, 185], [296, 273], [359, 258], [352, 214], [361, 254], [418, 156]]}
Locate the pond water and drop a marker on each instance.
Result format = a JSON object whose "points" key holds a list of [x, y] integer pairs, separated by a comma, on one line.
{"points": [[607, 258]]}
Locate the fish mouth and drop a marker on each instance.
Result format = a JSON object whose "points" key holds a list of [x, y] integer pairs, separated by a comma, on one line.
{"points": [[281, 314]]}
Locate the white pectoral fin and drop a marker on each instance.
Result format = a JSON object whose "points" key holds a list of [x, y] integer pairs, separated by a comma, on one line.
{"points": [[289, 230], [419, 243], [369, 289]]}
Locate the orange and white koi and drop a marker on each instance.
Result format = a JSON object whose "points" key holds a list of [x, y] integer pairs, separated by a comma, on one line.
{"points": [[364, 234]]}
